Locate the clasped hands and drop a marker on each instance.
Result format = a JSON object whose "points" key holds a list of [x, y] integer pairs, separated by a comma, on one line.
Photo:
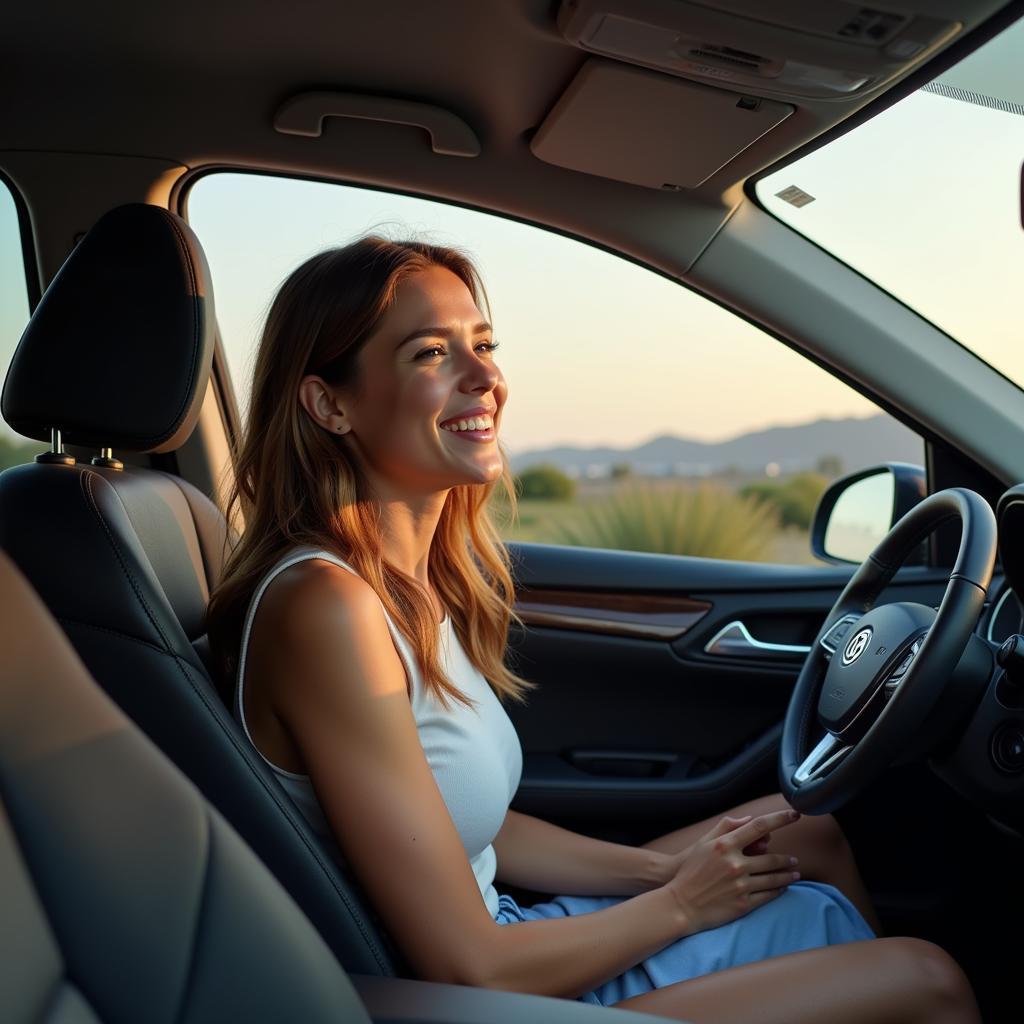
{"points": [[728, 872]]}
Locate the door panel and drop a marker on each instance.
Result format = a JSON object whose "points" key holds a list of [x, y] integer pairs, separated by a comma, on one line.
{"points": [[629, 734]]}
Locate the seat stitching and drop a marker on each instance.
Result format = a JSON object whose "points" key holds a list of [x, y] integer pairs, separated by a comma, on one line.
{"points": [[182, 665], [200, 916], [113, 632]]}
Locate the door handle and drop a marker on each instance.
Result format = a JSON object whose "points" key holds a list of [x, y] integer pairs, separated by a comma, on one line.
{"points": [[735, 641]]}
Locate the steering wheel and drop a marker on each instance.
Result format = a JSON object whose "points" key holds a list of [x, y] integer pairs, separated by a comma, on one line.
{"points": [[873, 674]]}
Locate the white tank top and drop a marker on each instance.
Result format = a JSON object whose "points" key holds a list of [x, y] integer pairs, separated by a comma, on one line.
{"points": [[474, 752]]}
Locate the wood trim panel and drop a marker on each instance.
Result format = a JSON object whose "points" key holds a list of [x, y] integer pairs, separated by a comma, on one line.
{"points": [[648, 616]]}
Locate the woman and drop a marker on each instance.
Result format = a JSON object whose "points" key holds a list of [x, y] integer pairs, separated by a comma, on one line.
{"points": [[364, 616]]}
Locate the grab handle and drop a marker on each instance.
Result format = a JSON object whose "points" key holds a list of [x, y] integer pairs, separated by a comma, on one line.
{"points": [[304, 115]]}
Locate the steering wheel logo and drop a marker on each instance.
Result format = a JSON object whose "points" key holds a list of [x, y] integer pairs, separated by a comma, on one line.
{"points": [[855, 648]]}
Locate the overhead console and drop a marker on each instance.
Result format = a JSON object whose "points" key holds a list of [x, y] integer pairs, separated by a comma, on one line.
{"points": [[677, 88], [822, 48]]}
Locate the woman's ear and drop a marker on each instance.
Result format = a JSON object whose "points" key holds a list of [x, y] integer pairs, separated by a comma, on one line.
{"points": [[318, 399]]}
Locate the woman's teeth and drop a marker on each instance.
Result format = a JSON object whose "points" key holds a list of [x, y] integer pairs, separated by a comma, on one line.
{"points": [[474, 423]]}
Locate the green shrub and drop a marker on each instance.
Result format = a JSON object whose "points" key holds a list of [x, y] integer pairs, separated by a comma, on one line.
{"points": [[794, 499], [547, 483], [706, 521]]}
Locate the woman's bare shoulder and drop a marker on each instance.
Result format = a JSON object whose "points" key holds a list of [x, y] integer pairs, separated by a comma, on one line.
{"points": [[320, 622], [315, 590]]}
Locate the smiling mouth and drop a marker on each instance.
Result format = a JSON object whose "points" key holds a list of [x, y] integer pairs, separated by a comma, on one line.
{"points": [[487, 434]]}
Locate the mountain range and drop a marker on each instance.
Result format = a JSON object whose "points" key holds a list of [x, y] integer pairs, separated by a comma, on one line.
{"points": [[856, 442]]}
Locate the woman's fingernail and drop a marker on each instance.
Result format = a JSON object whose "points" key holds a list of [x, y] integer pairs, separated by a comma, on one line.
{"points": [[796, 875], [793, 815], [792, 860]]}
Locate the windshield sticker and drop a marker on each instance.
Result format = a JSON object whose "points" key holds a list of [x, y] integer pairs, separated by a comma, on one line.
{"points": [[795, 196]]}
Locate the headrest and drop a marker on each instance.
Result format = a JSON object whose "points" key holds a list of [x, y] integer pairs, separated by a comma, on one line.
{"points": [[118, 351]]}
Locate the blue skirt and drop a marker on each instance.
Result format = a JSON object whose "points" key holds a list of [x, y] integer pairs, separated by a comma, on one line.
{"points": [[807, 915]]}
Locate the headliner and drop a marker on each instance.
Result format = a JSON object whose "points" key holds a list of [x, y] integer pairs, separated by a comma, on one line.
{"points": [[197, 84]]}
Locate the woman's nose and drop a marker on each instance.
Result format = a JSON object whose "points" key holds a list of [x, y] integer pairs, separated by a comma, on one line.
{"points": [[481, 375]]}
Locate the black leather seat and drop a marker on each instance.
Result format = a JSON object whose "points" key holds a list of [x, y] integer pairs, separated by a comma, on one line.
{"points": [[127, 898], [117, 356]]}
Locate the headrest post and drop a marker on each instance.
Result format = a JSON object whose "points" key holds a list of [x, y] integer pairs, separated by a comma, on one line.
{"points": [[107, 460], [56, 456]]}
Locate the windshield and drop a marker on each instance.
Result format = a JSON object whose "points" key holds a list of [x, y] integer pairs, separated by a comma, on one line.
{"points": [[924, 199]]}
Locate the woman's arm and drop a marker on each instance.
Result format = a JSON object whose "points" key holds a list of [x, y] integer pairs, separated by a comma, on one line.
{"points": [[338, 687], [534, 854]]}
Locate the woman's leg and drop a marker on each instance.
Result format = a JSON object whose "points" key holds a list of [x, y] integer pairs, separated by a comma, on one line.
{"points": [[816, 841], [884, 981]]}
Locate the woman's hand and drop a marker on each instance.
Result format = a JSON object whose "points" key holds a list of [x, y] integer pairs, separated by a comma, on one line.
{"points": [[727, 872], [673, 861]]}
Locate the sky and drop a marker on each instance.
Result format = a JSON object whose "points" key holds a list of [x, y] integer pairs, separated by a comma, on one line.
{"points": [[596, 350], [599, 351]]}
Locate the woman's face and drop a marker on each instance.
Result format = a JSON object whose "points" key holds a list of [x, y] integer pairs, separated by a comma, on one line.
{"points": [[425, 412]]}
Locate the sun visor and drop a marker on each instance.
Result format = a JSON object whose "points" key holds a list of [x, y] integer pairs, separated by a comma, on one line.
{"points": [[630, 124]]}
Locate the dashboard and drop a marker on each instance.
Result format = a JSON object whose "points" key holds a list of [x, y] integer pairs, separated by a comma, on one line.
{"points": [[986, 764]]}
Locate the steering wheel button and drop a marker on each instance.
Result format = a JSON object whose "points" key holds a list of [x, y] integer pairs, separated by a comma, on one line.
{"points": [[835, 636]]}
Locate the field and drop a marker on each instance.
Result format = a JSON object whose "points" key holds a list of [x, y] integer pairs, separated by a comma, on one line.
{"points": [[671, 516]]}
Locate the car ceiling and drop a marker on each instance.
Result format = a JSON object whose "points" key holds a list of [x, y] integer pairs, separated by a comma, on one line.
{"points": [[195, 84]]}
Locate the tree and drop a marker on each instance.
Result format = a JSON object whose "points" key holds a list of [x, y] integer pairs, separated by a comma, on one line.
{"points": [[620, 470], [545, 483]]}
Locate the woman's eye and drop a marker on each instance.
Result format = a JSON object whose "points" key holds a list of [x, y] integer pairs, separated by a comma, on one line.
{"points": [[486, 345]]}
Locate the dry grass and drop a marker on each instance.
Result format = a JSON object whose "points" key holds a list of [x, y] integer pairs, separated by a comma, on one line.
{"points": [[706, 520]]}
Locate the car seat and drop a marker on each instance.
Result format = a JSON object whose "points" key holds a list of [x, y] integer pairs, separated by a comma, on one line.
{"points": [[117, 356]]}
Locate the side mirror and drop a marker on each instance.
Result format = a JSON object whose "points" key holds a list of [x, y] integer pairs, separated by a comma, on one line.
{"points": [[858, 510]]}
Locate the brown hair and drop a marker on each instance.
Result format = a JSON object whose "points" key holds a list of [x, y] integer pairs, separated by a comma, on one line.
{"points": [[296, 483]]}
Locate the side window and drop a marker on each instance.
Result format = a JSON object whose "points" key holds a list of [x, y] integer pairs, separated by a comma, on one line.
{"points": [[14, 313], [641, 415]]}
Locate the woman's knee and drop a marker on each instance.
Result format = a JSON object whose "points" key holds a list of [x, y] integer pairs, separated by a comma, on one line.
{"points": [[824, 829], [936, 977], [822, 836]]}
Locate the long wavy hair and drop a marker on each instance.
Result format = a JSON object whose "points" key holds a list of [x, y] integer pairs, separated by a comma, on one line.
{"points": [[296, 483]]}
